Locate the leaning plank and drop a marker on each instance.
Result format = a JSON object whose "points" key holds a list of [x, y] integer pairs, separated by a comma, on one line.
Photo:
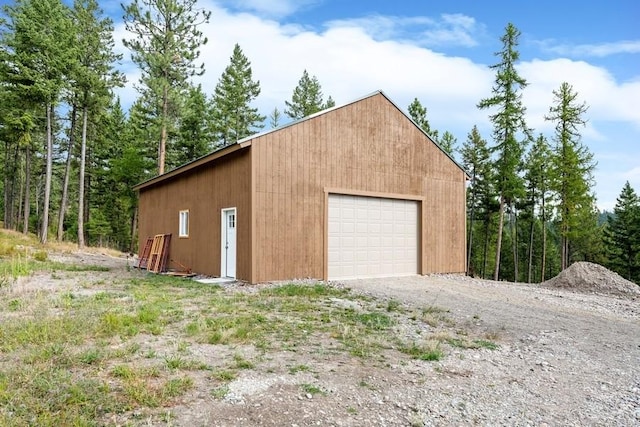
{"points": [[164, 254], [143, 259], [156, 252]]}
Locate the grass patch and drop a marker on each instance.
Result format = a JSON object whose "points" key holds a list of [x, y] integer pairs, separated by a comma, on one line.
{"points": [[298, 368], [312, 389], [106, 350], [225, 375], [239, 362], [430, 350], [220, 392], [489, 345]]}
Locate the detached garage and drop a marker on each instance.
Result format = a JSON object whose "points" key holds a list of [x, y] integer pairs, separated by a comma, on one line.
{"points": [[353, 191]]}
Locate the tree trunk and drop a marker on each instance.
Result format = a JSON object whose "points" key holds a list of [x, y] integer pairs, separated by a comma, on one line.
{"points": [[19, 216], [531, 230], [544, 241], [163, 131], [487, 223], [83, 151], [134, 230], [499, 242], [9, 186], [67, 173], [470, 232], [48, 174], [470, 246], [514, 245], [5, 218], [27, 189]]}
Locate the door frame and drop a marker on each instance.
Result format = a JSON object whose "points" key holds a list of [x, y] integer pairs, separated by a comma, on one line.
{"points": [[223, 251], [349, 192]]}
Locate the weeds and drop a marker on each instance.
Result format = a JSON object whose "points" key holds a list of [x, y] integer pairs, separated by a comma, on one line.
{"points": [[429, 350], [312, 389], [74, 358]]}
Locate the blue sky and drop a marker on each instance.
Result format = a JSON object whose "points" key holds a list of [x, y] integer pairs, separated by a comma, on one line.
{"points": [[439, 52]]}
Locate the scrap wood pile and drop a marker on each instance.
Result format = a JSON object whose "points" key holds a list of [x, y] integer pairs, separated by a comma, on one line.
{"points": [[155, 257], [155, 254]]}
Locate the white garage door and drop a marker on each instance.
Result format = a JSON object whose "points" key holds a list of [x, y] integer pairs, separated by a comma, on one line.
{"points": [[372, 237]]}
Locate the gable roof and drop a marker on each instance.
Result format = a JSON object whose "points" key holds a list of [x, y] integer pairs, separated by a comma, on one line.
{"points": [[246, 142]]}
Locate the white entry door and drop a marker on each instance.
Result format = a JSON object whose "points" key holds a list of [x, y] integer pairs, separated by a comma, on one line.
{"points": [[229, 221], [372, 237]]}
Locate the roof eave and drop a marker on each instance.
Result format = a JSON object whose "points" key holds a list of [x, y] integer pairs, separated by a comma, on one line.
{"points": [[194, 164]]}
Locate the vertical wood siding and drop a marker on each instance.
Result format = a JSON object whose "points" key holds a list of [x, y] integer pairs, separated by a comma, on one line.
{"points": [[223, 183], [366, 146]]}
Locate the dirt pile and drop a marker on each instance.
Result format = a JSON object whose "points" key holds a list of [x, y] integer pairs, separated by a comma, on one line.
{"points": [[588, 277]]}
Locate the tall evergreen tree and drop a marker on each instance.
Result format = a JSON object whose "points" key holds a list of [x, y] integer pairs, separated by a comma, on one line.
{"points": [[476, 159], [418, 114], [448, 143], [307, 98], [510, 132], [233, 116], [38, 42], [573, 165], [165, 45], [537, 177], [622, 236], [194, 130], [94, 77]]}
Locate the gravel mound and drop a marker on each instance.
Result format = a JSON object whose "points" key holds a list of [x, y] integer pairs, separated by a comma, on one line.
{"points": [[588, 277]]}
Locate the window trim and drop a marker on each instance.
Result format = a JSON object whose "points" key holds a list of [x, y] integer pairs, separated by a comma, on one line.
{"points": [[183, 224]]}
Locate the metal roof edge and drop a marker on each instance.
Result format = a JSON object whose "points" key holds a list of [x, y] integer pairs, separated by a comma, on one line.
{"points": [[247, 141], [216, 154]]}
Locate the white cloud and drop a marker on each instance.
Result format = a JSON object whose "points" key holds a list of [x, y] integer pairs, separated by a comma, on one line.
{"points": [[448, 30], [607, 99], [349, 62], [633, 175], [593, 50], [270, 8]]}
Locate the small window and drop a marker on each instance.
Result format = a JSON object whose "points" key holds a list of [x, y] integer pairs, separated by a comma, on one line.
{"points": [[232, 221], [184, 224]]}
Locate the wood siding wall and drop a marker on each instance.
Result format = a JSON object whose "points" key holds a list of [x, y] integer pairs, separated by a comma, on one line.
{"points": [[223, 183], [367, 146]]}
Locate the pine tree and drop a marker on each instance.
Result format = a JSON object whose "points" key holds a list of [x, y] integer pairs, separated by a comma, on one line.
{"points": [[307, 98], [274, 118], [233, 116], [537, 177], [418, 114], [448, 143], [573, 167], [476, 159], [194, 130], [508, 124], [622, 236], [38, 42], [165, 45], [94, 77]]}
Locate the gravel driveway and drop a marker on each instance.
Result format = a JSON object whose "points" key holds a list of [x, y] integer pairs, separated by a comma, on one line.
{"points": [[565, 358]]}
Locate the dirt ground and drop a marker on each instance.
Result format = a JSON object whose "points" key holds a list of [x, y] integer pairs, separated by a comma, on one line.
{"points": [[564, 358]]}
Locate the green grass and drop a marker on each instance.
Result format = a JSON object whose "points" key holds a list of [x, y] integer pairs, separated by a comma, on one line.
{"points": [[312, 389], [134, 344], [298, 368], [429, 350]]}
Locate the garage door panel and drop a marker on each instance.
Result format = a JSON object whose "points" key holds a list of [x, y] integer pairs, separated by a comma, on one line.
{"points": [[372, 237]]}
